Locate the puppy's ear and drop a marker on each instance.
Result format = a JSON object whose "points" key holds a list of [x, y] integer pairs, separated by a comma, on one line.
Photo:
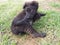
{"points": [[34, 3], [25, 5]]}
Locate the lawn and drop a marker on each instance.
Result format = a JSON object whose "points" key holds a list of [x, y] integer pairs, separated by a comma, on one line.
{"points": [[50, 23]]}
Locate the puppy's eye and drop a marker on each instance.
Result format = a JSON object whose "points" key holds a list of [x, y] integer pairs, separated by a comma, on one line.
{"points": [[28, 10]]}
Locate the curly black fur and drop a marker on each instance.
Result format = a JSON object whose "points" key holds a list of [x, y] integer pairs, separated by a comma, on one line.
{"points": [[22, 23]]}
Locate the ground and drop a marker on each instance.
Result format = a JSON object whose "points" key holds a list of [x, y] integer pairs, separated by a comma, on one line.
{"points": [[50, 24]]}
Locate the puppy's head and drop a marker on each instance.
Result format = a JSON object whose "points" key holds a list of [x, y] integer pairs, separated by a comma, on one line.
{"points": [[31, 6]]}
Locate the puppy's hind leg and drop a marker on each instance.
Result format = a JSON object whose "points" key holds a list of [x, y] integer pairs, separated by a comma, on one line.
{"points": [[34, 33]]}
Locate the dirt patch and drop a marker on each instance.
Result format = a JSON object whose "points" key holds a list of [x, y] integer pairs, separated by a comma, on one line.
{"points": [[45, 5]]}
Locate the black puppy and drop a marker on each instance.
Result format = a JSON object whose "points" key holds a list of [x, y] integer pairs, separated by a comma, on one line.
{"points": [[23, 22]]}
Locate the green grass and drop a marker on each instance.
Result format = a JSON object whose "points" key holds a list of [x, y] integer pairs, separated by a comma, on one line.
{"points": [[7, 11], [50, 24]]}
